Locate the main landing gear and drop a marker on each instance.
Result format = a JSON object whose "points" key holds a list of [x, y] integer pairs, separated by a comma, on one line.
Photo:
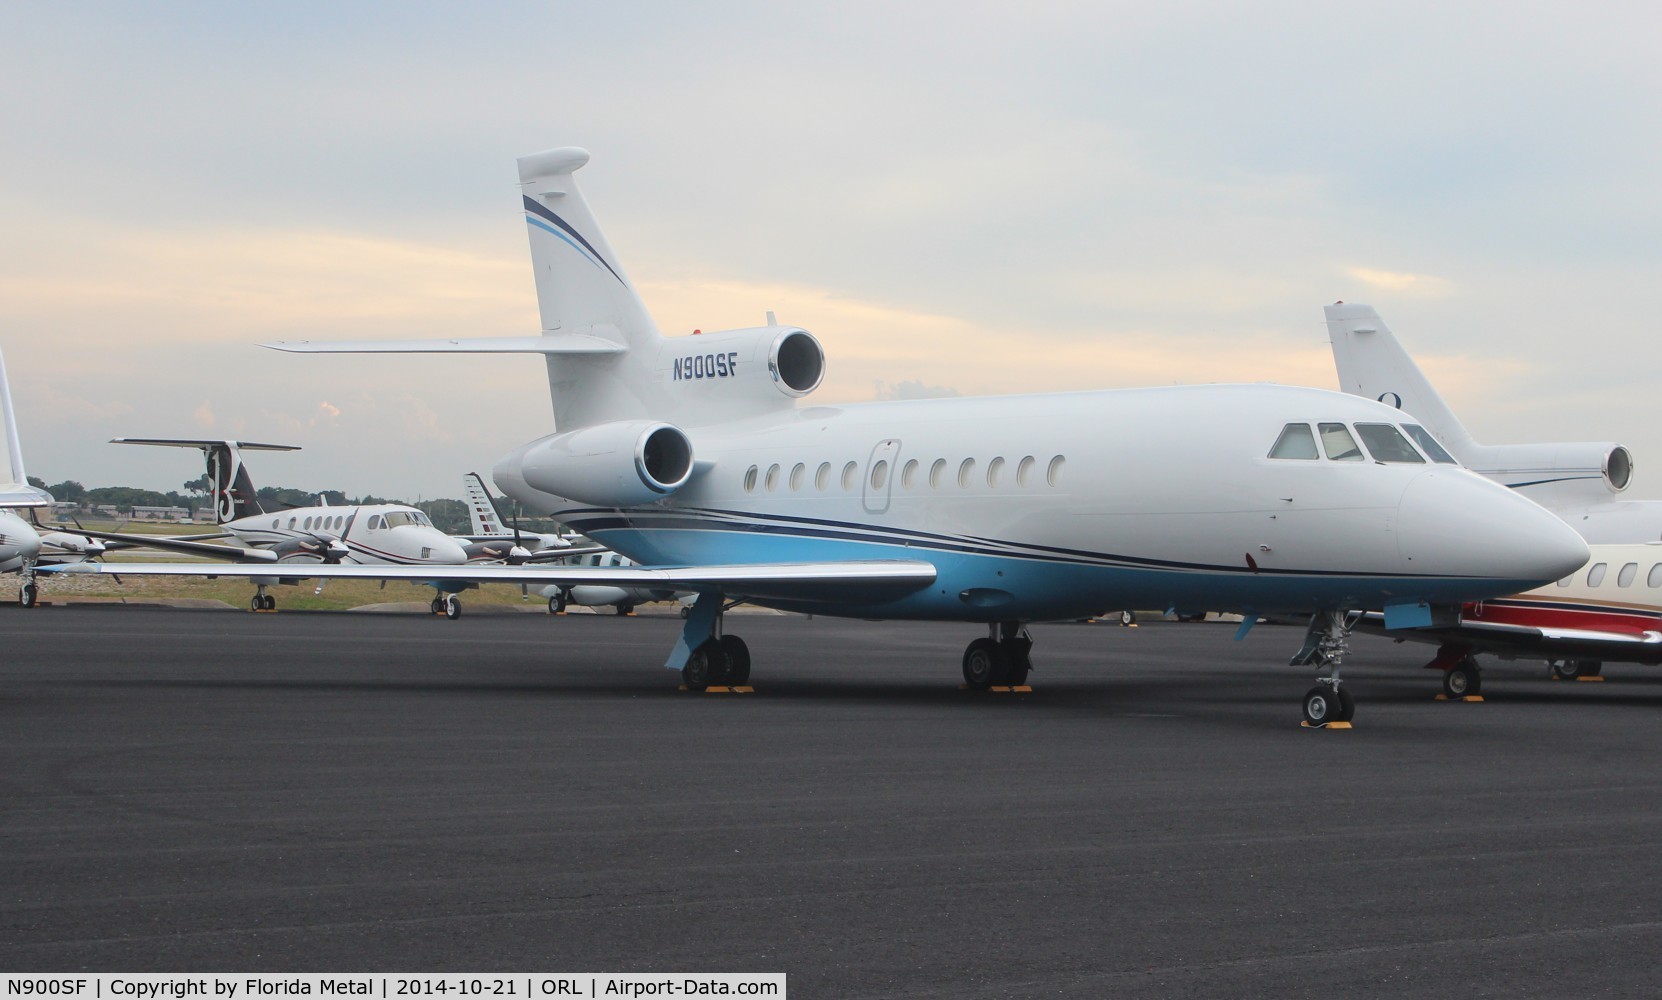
{"points": [[1329, 704], [1577, 670], [999, 660], [262, 601], [1462, 676], [448, 605], [706, 657]]}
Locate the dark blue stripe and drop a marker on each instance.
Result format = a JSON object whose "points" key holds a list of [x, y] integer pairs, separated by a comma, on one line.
{"points": [[540, 210]]}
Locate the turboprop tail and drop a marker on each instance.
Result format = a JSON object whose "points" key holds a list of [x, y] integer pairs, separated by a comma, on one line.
{"points": [[230, 486]]}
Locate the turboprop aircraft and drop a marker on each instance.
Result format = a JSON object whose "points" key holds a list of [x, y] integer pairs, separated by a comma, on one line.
{"points": [[492, 541], [360, 534], [692, 457], [1578, 481]]}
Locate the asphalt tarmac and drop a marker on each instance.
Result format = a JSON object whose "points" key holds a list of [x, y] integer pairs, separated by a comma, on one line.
{"points": [[224, 791]]}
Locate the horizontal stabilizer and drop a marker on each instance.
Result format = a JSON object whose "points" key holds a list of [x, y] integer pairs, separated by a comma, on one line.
{"points": [[559, 343], [205, 443]]}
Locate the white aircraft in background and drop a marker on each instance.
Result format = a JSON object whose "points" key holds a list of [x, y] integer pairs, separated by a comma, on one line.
{"points": [[492, 541], [24, 547], [358, 534], [691, 455], [1578, 481], [1609, 610]]}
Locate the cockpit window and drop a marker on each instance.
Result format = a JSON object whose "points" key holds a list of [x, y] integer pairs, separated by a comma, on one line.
{"points": [[1387, 444], [1295, 441], [1338, 443], [1429, 445]]}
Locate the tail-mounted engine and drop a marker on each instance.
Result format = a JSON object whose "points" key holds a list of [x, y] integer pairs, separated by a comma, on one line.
{"points": [[1586, 471], [730, 373], [621, 464]]}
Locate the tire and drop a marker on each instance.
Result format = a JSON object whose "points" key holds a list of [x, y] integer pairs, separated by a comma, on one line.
{"points": [[1128, 618], [436, 606], [1347, 705], [737, 655], [1589, 668], [557, 604], [452, 607], [705, 666], [1566, 670], [28, 595], [686, 610], [985, 664], [623, 609], [1462, 680], [1321, 706]]}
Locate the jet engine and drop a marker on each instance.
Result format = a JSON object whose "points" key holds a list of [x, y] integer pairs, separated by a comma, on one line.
{"points": [[625, 463], [1589, 469], [731, 373]]}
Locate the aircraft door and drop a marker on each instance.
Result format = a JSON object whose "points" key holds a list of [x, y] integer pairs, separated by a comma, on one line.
{"points": [[878, 481]]}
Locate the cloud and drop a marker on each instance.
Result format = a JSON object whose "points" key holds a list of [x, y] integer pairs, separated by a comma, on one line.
{"points": [[203, 415], [1416, 285]]}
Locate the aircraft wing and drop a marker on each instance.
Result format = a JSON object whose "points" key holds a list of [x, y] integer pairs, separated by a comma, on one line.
{"points": [[762, 580], [232, 553], [1548, 643]]}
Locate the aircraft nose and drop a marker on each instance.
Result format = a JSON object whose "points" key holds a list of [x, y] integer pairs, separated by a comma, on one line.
{"points": [[1456, 523], [445, 550]]}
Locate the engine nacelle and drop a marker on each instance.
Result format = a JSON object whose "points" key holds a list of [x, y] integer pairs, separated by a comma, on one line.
{"points": [[1590, 470], [621, 464], [730, 373]]}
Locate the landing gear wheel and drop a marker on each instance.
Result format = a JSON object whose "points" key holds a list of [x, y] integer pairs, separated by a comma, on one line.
{"points": [[1347, 705], [437, 606], [452, 607], [1569, 670], [624, 609], [270, 603], [1019, 666], [1127, 618], [985, 664], [257, 603], [737, 654], [28, 595], [1462, 680], [707, 665], [1322, 706], [557, 604]]}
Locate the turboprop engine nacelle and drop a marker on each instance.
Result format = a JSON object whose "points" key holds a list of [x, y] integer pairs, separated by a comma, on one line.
{"points": [[731, 373], [625, 463]]}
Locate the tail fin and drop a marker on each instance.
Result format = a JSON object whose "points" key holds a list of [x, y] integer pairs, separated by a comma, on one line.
{"points": [[479, 507], [15, 490], [1372, 363], [229, 484], [581, 289]]}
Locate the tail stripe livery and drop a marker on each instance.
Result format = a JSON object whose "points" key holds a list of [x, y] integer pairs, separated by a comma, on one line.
{"points": [[534, 211]]}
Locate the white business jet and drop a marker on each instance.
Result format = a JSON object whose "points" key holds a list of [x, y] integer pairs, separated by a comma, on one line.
{"points": [[692, 456], [1578, 481], [357, 534]]}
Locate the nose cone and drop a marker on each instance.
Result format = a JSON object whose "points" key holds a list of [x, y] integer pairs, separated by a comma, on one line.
{"points": [[443, 549], [1454, 523]]}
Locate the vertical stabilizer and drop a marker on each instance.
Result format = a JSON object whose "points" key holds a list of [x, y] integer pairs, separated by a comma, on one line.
{"points": [[1372, 364], [480, 510], [582, 289], [15, 490]]}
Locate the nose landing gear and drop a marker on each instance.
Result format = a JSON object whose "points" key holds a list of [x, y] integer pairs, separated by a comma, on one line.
{"points": [[1328, 705]]}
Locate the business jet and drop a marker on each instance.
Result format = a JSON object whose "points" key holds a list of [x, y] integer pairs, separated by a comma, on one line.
{"points": [[1578, 481], [358, 534], [693, 457]]}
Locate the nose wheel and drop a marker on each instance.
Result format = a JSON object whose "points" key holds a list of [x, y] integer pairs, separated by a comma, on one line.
{"points": [[1329, 704]]}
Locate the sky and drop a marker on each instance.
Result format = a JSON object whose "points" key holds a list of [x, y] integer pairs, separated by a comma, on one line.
{"points": [[970, 198]]}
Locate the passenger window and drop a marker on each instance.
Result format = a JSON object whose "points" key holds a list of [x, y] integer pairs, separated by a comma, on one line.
{"points": [[750, 479], [1024, 471], [1429, 445], [822, 478], [849, 472], [1295, 441], [772, 479], [1571, 578], [1595, 576], [1387, 444], [879, 474], [796, 476], [1628, 572], [291, 523], [1338, 443], [994, 467], [966, 473], [909, 474], [1655, 577], [935, 473], [1053, 475]]}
